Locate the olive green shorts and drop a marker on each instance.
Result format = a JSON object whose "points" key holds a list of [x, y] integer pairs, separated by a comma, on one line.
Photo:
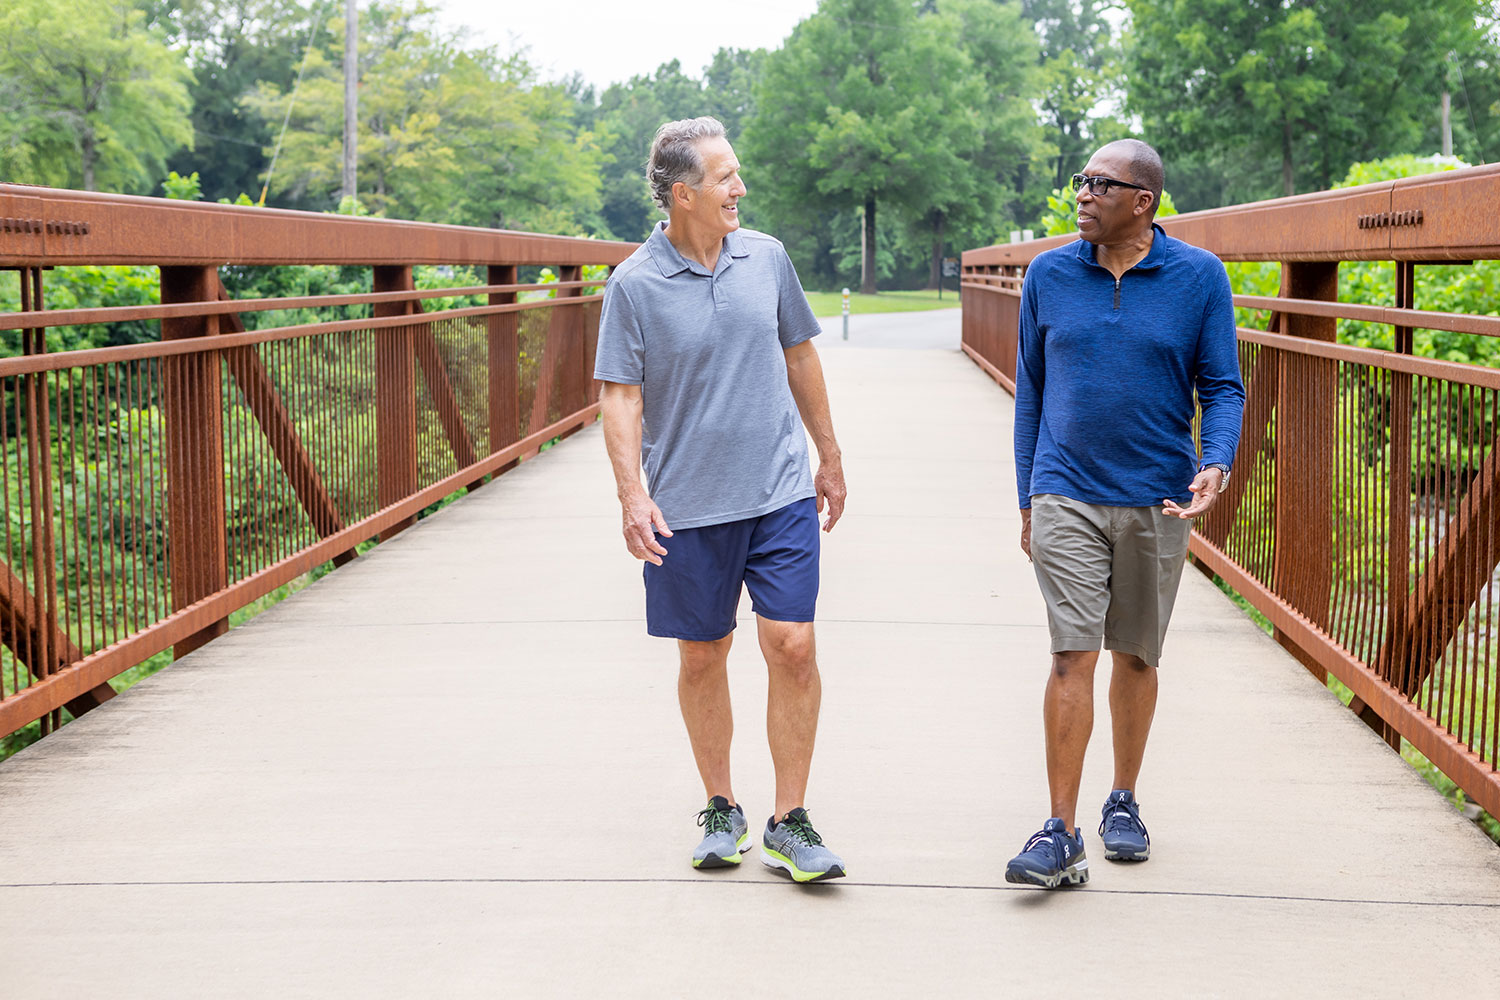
{"points": [[1107, 574]]}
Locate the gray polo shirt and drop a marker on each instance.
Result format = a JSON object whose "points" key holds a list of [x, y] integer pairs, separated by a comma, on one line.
{"points": [[722, 439]]}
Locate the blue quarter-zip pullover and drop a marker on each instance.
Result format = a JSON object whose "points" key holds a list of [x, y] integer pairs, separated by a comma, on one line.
{"points": [[1106, 370]]}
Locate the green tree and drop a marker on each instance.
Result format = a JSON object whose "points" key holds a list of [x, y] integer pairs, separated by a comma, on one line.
{"points": [[989, 166], [1080, 82], [231, 46], [529, 164], [859, 107], [729, 87], [626, 119], [93, 97], [445, 134], [1251, 92]]}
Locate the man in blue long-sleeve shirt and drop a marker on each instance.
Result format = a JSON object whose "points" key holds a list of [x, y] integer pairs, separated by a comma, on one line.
{"points": [[1118, 331]]}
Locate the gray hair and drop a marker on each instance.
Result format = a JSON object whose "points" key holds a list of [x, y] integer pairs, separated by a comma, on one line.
{"points": [[675, 156]]}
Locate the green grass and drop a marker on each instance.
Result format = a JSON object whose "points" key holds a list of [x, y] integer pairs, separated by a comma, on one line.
{"points": [[832, 303]]}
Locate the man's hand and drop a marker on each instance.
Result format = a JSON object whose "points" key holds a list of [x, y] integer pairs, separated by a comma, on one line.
{"points": [[1026, 531], [640, 516], [829, 482], [1205, 490]]}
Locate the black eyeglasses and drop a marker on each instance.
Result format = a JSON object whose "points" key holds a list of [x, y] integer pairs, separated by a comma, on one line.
{"points": [[1099, 185]]}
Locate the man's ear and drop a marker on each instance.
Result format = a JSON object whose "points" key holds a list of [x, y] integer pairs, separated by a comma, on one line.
{"points": [[1145, 201], [680, 195]]}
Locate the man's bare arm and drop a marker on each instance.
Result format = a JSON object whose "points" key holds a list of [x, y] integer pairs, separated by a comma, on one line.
{"points": [[622, 407], [804, 373]]}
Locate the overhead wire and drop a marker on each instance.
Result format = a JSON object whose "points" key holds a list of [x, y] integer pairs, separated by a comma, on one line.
{"points": [[1469, 104], [291, 102]]}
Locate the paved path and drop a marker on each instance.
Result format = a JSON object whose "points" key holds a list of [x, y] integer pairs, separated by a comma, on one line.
{"points": [[455, 768]]}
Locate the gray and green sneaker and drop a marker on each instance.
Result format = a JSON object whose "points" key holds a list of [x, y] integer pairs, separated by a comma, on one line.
{"points": [[726, 835], [793, 847]]}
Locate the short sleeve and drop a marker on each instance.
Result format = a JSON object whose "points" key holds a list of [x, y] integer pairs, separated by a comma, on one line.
{"points": [[795, 321], [621, 354]]}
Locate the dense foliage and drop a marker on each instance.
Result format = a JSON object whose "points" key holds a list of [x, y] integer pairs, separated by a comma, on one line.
{"points": [[881, 136]]}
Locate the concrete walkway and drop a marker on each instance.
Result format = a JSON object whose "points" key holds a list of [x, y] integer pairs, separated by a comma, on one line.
{"points": [[456, 768]]}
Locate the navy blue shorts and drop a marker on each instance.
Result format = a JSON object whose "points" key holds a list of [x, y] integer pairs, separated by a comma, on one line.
{"points": [[695, 591]]}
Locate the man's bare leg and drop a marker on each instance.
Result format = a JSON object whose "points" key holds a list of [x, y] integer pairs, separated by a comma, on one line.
{"points": [[1068, 717], [794, 694], [703, 693], [1132, 705]]}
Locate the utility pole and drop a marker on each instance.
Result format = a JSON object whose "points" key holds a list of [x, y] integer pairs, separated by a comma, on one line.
{"points": [[351, 96], [1447, 125]]}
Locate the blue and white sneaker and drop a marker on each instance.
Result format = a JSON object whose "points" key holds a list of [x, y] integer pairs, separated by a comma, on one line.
{"points": [[794, 848], [1125, 836], [1050, 858], [726, 835]]}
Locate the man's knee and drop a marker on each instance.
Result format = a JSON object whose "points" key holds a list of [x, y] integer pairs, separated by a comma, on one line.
{"points": [[703, 659], [1131, 663], [791, 650], [1074, 663]]}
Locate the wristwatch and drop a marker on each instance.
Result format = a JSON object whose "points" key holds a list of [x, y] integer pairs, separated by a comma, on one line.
{"points": [[1224, 480]]}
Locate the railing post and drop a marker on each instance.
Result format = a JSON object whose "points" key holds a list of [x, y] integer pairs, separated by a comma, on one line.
{"points": [[1305, 414], [39, 489], [395, 400], [556, 353], [193, 411], [1398, 663], [504, 377], [576, 371]]}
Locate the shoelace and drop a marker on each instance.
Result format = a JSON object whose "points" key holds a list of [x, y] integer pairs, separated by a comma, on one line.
{"points": [[802, 830], [1047, 837], [1121, 815], [715, 820]]}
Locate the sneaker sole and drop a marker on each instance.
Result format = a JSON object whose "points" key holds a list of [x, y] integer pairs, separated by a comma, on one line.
{"points": [[1127, 855], [714, 861], [1075, 875], [782, 866]]}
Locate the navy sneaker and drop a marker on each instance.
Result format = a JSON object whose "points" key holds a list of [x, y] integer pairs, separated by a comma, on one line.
{"points": [[726, 835], [1125, 837], [1050, 858]]}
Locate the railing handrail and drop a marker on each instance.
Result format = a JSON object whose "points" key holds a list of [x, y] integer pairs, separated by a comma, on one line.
{"points": [[1328, 225], [49, 226]]}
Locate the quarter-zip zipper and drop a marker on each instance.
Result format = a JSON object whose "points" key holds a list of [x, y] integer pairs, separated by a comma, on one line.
{"points": [[1117, 295]]}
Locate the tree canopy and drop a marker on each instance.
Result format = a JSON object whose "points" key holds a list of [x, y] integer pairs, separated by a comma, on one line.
{"points": [[879, 137], [1257, 92], [93, 97]]}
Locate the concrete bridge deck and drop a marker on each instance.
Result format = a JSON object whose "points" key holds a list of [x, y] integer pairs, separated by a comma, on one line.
{"points": [[456, 768]]}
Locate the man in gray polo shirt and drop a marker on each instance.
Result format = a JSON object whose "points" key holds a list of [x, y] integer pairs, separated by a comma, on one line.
{"points": [[709, 377]]}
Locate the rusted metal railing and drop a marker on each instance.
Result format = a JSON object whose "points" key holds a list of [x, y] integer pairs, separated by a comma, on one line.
{"points": [[1362, 518], [150, 490]]}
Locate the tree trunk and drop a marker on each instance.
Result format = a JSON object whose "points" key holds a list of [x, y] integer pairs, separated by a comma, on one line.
{"points": [[935, 273], [90, 154], [867, 251], [1288, 182]]}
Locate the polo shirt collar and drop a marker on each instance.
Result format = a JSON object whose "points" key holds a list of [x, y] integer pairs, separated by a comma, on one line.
{"points": [[1155, 257], [671, 262]]}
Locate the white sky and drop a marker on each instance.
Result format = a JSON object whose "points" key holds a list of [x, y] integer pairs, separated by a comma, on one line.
{"points": [[609, 41]]}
